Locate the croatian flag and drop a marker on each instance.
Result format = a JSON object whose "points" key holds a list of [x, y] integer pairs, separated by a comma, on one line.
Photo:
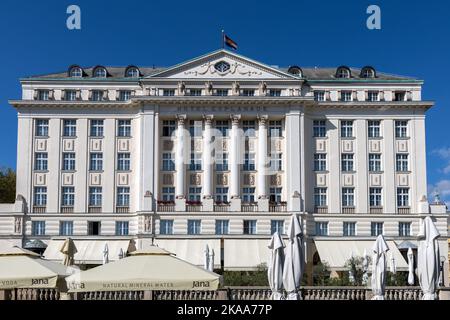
{"points": [[230, 43]]}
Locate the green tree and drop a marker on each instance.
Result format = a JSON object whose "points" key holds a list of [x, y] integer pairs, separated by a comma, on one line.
{"points": [[7, 185], [321, 274], [257, 277], [355, 266]]}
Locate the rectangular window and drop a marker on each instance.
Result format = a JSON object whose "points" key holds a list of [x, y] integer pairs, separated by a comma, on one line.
{"points": [[124, 128], [346, 129], [41, 128], [348, 197], [165, 226], [402, 197], [124, 95], [346, 96], [122, 228], [43, 95], [248, 195], [349, 229], [68, 161], [372, 96], [274, 93], [222, 162], [347, 162], [195, 194], [223, 126], [97, 95], [249, 128], [168, 193], [66, 228], [123, 196], [399, 96], [38, 228], [94, 228], [194, 92], [123, 161], [222, 194], [320, 197], [96, 161], [40, 196], [275, 195], [96, 128], [401, 129], [168, 162], [249, 227], [70, 95], [248, 92], [168, 128], [404, 229], [168, 92], [222, 227], [195, 128], [249, 162], [275, 129], [375, 199], [276, 162], [221, 92], [319, 95], [373, 129], [40, 161], [70, 128], [321, 228], [319, 129], [277, 226], [374, 162], [68, 196], [196, 162], [376, 228], [320, 162], [95, 196], [401, 162], [194, 226]]}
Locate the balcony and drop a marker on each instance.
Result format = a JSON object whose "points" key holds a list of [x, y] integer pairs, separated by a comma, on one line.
{"points": [[95, 209], [404, 210], [376, 210], [221, 207], [348, 210], [321, 209], [193, 206], [166, 206], [249, 207], [39, 209], [67, 209], [122, 209], [278, 207]]}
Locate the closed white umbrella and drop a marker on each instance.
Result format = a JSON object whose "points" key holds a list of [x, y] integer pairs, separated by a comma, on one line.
{"points": [[379, 249], [428, 259], [105, 254], [206, 262], [211, 261], [294, 260], [275, 269], [410, 267], [392, 264], [68, 249], [121, 254], [365, 266]]}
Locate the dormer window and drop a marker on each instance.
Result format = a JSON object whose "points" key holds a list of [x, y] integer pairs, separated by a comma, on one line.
{"points": [[343, 73], [222, 66], [368, 72], [75, 72], [295, 70], [99, 72], [132, 72]]}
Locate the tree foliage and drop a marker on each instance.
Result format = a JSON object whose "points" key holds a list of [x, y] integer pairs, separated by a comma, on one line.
{"points": [[247, 278], [7, 185]]}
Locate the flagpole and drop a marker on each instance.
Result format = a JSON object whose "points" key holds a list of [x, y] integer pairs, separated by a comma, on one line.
{"points": [[223, 39]]}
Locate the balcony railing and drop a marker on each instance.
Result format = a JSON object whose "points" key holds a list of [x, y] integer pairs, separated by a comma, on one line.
{"points": [[376, 210], [122, 209], [166, 206], [193, 207], [39, 209], [67, 209], [348, 210], [323, 209], [404, 210], [278, 207], [249, 207], [95, 209], [221, 207]]}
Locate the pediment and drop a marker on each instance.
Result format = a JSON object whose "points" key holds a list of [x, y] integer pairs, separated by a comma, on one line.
{"points": [[223, 64]]}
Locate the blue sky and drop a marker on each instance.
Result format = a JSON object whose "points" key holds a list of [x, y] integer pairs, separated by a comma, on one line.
{"points": [[413, 41]]}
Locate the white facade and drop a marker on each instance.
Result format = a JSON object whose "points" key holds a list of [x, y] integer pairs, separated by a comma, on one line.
{"points": [[292, 146]]}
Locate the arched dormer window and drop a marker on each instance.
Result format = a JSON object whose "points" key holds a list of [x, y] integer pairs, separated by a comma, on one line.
{"points": [[132, 72], [75, 72], [368, 72], [343, 73], [295, 70], [99, 72]]}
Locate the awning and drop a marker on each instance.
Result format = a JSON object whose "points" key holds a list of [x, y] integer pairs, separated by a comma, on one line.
{"points": [[89, 251], [337, 252], [245, 254]]}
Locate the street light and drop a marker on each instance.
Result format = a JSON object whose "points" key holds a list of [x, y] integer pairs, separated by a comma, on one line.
{"points": [[441, 277]]}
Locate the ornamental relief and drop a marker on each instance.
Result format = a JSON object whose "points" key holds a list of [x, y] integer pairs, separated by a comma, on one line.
{"points": [[167, 145], [167, 179], [198, 145], [195, 179], [275, 180], [235, 68], [222, 179], [249, 179]]}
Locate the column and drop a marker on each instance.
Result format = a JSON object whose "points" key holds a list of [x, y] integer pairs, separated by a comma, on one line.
{"points": [[263, 199], [208, 201], [234, 157], [179, 159]]}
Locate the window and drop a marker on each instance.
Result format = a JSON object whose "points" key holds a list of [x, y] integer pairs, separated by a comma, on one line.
{"points": [[321, 228], [124, 128], [96, 128], [374, 162], [168, 163], [274, 93], [43, 95], [41, 128], [95, 196], [348, 197], [70, 128], [319, 95], [346, 96], [276, 162], [40, 161], [168, 92], [248, 195], [70, 95], [96, 162], [38, 228], [404, 229], [320, 197], [249, 162], [373, 129], [124, 95], [222, 162], [399, 96], [76, 72], [367, 72], [94, 228], [346, 129], [100, 72], [401, 129], [223, 127], [222, 227], [66, 228], [123, 196], [68, 196], [68, 161], [277, 226], [349, 229], [375, 197], [249, 227], [195, 128], [194, 226], [222, 66], [222, 194], [122, 228], [168, 128], [275, 128], [249, 128], [248, 92], [319, 129], [347, 162], [195, 194], [165, 226], [221, 92], [97, 95], [194, 92], [343, 72], [123, 161], [40, 196], [196, 161], [401, 162], [168, 193], [320, 162], [376, 228], [275, 195], [402, 197], [373, 96], [132, 72]]}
